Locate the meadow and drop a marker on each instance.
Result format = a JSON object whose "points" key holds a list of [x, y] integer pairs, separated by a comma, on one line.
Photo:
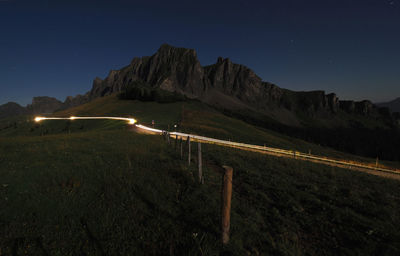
{"points": [[100, 188]]}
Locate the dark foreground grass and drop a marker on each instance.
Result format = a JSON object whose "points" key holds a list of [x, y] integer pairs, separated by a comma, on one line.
{"points": [[115, 192]]}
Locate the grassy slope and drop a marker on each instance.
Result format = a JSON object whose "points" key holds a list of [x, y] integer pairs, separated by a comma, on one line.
{"points": [[192, 117], [112, 191]]}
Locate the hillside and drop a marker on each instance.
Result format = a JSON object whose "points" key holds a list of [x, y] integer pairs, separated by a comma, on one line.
{"points": [[99, 188], [190, 116], [11, 109]]}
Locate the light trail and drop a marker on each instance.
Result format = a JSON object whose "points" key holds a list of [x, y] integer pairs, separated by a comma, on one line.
{"points": [[148, 128], [130, 120], [243, 146], [275, 151]]}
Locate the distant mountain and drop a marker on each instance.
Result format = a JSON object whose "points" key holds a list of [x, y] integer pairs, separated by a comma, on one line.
{"points": [[393, 105], [40, 105], [12, 109]]}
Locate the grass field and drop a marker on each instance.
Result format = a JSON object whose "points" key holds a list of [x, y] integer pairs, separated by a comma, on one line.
{"points": [[103, 189]]}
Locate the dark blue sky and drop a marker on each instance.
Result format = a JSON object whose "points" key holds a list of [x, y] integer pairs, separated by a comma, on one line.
{"points": [[56, 48]]}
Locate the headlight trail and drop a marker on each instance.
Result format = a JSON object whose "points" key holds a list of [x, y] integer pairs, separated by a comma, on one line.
{"points": [[130, 120], [148, 128], [243, 146], [274, 151]]}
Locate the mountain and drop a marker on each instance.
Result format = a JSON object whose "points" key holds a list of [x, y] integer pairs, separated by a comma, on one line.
{"points": [[230, 87], [12, 109], [393, 105], [175, 74], [39, 105]]}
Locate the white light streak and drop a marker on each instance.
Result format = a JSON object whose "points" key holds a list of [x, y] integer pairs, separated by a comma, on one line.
{"points": [[288, 153], [148, 128], [130, 120]]}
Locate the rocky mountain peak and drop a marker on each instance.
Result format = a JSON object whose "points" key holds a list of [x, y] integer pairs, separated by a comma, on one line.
{"points": [[170, 68], [98, 80], [221, 60], [234, 79], [168, 50]]}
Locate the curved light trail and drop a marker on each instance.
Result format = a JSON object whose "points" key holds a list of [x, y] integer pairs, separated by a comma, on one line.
{"points": [[243, 146], [130, 120], [274, 151]]}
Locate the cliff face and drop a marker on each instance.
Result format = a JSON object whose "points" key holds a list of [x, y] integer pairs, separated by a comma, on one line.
{"points": [[171, 69], [71, 102], [235, 80], [241, 82]]}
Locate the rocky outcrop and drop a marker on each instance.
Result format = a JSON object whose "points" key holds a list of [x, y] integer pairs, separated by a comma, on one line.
{"points": [[365, 107], [71, 102], [348, 106], [99, 87], [235, 80], [333, 102], [172, 69], [43, 105]]}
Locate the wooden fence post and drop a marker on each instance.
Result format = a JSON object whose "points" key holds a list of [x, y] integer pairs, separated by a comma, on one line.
{"points": [[188, 141], [226, 203], [201, 180], [181, 148]]}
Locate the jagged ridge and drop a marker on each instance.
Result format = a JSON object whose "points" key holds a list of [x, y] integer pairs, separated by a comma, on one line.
{"points": [[224, 84]]}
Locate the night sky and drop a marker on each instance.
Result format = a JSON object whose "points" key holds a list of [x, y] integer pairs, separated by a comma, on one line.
{"points": [[56, 48]]}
